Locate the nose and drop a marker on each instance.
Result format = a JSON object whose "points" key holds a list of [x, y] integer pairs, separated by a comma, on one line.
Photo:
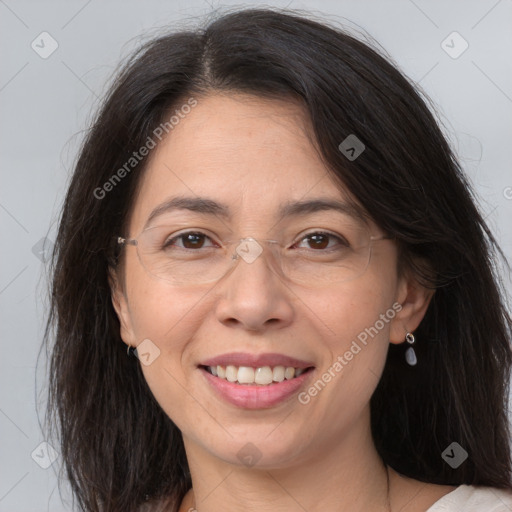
{"points": [[253, 296]]}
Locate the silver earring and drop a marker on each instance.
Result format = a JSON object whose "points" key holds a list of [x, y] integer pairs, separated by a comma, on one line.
{"points": [[410, 355], [130, 350]]}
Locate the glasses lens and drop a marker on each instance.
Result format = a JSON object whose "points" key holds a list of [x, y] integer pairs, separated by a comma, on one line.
{"points": [[319, 258], [187, 258], [324, 257]]}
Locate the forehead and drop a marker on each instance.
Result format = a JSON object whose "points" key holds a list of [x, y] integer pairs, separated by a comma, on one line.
{"points": [[251, 153]]}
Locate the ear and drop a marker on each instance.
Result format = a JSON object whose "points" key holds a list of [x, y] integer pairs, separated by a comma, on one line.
{"points": [[414, 299], [120, 303]]}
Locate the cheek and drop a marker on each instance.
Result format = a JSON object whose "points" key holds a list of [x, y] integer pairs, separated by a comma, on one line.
{"points": [[353, 309], [154, 307], [164, 319], [164, 315], [359, 318]]}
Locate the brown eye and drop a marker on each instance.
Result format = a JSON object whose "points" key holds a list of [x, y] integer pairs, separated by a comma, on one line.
{"points": [[319, 241], [189, 240]]}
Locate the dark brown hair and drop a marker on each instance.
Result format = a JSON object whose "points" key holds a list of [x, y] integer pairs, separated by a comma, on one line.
{"points": [[118, 446]]}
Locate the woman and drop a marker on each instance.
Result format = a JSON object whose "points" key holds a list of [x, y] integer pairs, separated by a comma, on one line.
{"points": [[273, 290]]}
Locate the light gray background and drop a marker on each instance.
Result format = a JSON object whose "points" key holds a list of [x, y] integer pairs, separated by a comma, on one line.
{"points": [[46, 104]]}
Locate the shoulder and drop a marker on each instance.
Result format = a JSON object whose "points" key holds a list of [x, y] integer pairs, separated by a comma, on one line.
{"points": [[474, 499]]}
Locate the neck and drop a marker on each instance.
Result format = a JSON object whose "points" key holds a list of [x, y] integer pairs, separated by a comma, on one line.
{"points": [[346, 475]]}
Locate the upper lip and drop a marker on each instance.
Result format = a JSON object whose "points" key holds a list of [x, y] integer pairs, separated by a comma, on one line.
{"points": [[256, 360]]}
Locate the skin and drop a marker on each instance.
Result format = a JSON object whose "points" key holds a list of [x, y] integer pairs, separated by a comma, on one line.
{"points": [[254, 154]]}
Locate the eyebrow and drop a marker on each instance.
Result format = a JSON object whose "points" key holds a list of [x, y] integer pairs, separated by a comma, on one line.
{"points": [[206, 206]]}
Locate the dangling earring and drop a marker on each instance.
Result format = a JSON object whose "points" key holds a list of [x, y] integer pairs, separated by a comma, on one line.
{"points": [[130, 351], [410, 355]]}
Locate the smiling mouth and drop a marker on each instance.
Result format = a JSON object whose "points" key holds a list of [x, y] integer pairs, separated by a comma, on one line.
{"points": [[262, 376]]}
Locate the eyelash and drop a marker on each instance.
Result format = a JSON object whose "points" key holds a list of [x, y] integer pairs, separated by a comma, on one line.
{"points": [[341, 240]]}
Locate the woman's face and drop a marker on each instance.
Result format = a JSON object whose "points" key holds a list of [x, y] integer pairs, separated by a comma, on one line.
{"points": [[253, 157]]}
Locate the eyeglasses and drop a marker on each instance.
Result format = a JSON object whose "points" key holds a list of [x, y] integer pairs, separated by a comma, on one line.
{"points": [[195, 256]]}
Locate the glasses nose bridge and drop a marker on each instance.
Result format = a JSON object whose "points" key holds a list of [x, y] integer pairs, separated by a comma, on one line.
{"points": [[249, 249]]}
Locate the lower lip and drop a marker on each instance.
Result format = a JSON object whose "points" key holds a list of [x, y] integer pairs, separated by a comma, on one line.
{"points": [[256, 396]]}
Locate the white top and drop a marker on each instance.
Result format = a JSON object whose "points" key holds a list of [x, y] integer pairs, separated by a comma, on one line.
{"points": [[468, 498]]}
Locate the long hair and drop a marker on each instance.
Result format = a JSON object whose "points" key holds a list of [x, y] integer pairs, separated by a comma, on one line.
{"points": [[120, 450]]}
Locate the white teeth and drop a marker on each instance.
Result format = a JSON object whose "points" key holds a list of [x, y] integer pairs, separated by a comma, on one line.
{"points": [[289, 373], [245, 375], [264, 375], [231, 373], [278, 374]]}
